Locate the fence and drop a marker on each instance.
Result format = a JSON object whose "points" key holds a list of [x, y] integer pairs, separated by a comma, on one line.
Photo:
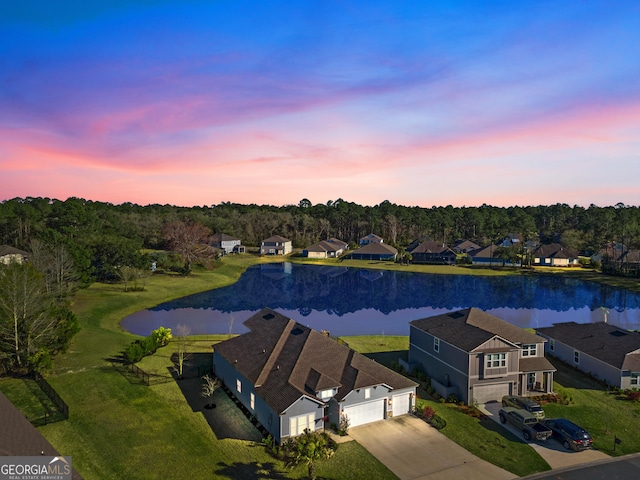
{"points": [[49, 391]]}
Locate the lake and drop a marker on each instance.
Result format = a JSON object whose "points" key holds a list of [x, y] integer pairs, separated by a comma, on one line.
{"points": [[353, 301]]}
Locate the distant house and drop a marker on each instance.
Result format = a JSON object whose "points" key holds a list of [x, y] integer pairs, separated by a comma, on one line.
{"points": [[555, 255], [276, 245], [464, 246], [10, 254], [433, 253], [227, 243], [606, 352], [511, 240], [371, 238], [479, 357], [293, 378], [375, 251], [489, 256], [330, 248]]}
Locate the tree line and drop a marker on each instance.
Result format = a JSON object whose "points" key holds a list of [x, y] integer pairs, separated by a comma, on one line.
{"points": [[102, 237]]}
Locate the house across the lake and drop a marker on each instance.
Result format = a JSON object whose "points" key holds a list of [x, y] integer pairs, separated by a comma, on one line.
{"points": [[375, 251], [9, 254], [227, 243], [292, 378], [276, 245]]}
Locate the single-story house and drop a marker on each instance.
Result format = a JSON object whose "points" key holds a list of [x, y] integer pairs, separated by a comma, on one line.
{"points": [[330, 248], [9, 254], [276, 245], [511, 240], [292, 378], [227, 243], [375, 251], [432, 252], [479, 357], [487, 256], [371, 238], [608, 353], [464, 246], [555, 255]]}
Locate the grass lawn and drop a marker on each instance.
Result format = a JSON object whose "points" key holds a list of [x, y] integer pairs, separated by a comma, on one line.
{"points": [[598, 410]]}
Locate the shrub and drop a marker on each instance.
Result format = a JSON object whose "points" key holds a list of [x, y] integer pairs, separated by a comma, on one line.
{"points": [[134, 352], [452, 398], [162, 336], [343, 428], [428, 413], [438, 422], [633, 395]]}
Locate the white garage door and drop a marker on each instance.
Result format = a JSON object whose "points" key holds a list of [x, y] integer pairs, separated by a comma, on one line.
{"points": [[401, 404], [489, 393], [365, 412]]}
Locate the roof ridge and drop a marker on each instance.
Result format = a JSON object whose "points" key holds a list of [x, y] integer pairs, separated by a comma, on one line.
{"points": [[275, 353]]}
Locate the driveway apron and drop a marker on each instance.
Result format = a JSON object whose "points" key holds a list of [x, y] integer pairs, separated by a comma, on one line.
{"points": [[414, 450]]}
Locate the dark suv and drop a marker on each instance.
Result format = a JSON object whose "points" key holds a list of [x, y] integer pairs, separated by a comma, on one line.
{"points": [[569, 434]]}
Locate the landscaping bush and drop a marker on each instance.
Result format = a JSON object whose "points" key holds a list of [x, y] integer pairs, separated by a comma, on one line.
{"points": [[134, 352]]}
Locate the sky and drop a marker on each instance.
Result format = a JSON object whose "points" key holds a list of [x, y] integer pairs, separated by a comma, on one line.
{"points": [[432, 103]]}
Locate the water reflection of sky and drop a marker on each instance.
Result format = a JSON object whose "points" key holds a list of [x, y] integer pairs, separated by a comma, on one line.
{"points": [[348, 301]]}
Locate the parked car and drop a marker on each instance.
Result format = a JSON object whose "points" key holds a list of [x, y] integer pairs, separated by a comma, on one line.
{"points": [[569, 434], [525, 403], [526, 422]]}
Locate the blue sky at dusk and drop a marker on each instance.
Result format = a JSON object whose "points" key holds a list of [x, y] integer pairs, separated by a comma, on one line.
{"points": [[419, 103]]}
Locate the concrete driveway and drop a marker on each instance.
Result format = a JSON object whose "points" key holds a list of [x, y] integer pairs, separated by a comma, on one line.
{"points": [[414, 450], [551, 450]]}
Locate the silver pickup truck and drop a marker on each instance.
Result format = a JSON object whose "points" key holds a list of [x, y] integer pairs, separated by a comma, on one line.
{"points": [[526, 422]]}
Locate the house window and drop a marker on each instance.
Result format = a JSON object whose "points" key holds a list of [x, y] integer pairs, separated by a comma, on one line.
{"points": [[529, 350], [496, 360], [324, 394], [436, 344], [238, 385], [253, 402], [635, 378], [367, 393], [552, 344], [576, 356]]}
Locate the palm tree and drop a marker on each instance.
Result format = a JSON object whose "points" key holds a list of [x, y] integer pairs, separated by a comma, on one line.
{"points": [[310, 447]]}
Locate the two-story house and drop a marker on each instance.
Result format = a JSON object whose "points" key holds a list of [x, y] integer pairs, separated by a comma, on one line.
{"points": [[479, 357], [276, 245], [227, 243]]}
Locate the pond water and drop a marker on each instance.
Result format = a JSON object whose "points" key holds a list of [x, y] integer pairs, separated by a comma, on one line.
{"points": [[351, 301]]}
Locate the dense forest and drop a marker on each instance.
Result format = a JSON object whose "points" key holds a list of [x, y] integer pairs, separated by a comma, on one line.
{"points": [[102, 236]]}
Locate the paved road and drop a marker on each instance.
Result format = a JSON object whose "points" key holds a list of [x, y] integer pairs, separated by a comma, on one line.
{"points": [[619, 468], [414, 450], [551, 450]]}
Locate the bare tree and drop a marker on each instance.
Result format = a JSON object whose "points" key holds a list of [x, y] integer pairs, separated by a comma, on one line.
{"points": [[181, 356], [56, 265], [26, 320], [190, 241], [209, 387]]}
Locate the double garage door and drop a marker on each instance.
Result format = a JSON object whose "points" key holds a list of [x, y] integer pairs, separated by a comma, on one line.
{"points": [[365, 412], [490, 393]]}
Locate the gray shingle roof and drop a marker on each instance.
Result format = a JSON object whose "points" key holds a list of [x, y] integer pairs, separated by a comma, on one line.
{"points": [[469, 328], [603, 341], [276, 239], [430, 246], [376, 249], [286, 360]]}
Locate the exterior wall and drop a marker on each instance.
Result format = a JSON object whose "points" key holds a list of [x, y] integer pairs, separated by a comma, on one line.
{"points": [[435, 258], [592, 366], [449, 366], [365, 256], [479, 376], [267, 417], [301, 407], [309, 254], [356, 397], [11, 258], [229, 245], [275, 248]]}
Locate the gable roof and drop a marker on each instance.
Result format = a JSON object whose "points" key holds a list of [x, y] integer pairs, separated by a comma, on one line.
{"points": [[603, 341], [338, 242], [430, 246], [376, 249], [222, 237], [286, 360], [555, 250], [373, 237], [324, 246], [466, 245], [484, 252], [9, 250], [468, 329], [276, 239]]}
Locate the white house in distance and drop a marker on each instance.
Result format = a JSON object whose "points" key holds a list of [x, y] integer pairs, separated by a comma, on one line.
{"points": [[227, 243], [276, 245], [9, 254], [371, 238], [331, 248]]}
